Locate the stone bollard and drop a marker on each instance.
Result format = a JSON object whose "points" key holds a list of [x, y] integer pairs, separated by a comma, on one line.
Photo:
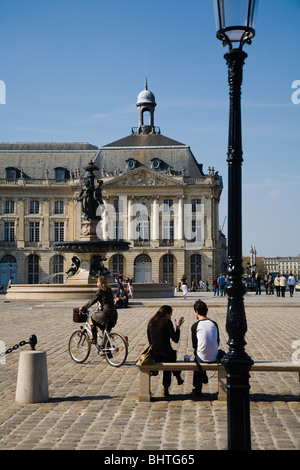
{"points": [[32, 382]]}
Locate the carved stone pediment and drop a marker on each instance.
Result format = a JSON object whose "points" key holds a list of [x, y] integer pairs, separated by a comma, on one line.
{"points": [[144, 177]]}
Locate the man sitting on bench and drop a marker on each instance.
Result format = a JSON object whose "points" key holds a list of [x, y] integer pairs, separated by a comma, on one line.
{"points": [[205, 339]]}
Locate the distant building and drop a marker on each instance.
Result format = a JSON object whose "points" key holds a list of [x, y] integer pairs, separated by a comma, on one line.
{"points": [[284, 265], [156, 196]]}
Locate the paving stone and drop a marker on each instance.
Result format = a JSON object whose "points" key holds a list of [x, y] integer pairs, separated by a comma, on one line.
{"points": [[95, 406]]}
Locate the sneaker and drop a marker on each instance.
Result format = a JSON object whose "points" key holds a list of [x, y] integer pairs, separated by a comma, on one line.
{"points": [[197, 391]]}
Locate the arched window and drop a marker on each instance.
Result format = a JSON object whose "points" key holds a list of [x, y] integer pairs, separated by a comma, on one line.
{"points": [[33, 269], [8, 259], [168, 269], [143, 268], [8, 269], [196, 267]]}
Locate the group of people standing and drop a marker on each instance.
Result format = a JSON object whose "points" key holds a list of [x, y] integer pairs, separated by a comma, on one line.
{"points": [[219, 284], [280, 282], [184, 287]]}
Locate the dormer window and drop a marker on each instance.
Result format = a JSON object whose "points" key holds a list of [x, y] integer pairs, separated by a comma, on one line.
{"points": [[61, 173], [156, 162], [12, 173], [131, 163]]}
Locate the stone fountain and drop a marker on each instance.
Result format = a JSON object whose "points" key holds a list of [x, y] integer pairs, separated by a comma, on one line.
{"points": [[89, 252]]}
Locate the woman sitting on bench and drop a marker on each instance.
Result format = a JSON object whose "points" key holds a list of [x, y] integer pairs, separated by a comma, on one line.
{"points": [[160, 330]]}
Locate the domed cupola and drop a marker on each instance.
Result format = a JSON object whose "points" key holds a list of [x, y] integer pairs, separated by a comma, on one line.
{"points": [[146, 105]]}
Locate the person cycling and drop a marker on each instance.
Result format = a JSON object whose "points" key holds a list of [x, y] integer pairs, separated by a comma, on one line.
{"points": [[107, 317]]}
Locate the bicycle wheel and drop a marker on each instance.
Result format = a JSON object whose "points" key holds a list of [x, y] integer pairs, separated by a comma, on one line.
{"points": [[115, 349], [79, 346]]}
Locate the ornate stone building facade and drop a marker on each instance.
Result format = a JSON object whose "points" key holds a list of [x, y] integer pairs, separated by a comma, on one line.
{"points": [[156, 196]]}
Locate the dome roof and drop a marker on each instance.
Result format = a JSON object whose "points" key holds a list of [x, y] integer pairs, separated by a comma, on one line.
{"points": [[146, 97]]}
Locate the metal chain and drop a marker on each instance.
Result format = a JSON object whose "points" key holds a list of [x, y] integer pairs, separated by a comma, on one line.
{"points": [[32, 341]]}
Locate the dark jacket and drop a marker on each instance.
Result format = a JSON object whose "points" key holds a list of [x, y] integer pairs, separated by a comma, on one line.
{"points": [[108, 312], [160, 335]]}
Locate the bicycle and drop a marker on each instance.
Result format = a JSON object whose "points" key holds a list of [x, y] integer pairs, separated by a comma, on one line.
{"points": [[113, 346]]}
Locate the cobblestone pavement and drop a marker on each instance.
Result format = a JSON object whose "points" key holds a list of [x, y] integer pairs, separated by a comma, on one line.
{"points": [[95, 406]]}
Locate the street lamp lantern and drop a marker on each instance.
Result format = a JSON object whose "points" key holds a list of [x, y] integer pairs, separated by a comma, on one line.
{"points": [[235, 21]]}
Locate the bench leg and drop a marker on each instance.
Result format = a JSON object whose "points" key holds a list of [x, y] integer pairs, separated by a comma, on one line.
{"points": [[144, 386], [222, 391]]}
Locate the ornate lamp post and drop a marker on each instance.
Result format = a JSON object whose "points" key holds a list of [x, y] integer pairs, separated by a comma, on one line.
{"points": [[234, 20]]}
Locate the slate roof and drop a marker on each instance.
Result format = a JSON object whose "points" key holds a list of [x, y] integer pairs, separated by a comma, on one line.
{"points": [[144, 140], [35, 158], [47, 146]]}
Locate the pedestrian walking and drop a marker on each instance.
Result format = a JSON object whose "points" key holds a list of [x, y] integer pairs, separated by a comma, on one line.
{"points": [[221, 281], [216, 286], [277, 285], [283, 285], [10, 282], [258, 284], [130, 289], [185, 286], [291, 283]]}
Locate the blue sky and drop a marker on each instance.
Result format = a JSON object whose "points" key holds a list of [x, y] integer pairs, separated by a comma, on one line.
{"points": [[73, 70]]}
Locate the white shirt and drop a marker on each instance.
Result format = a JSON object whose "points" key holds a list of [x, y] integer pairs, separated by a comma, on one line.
{"points": [[283, 281], [207, 336]]}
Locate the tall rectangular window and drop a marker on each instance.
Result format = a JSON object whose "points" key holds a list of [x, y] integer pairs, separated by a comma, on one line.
{"points": [[196, 230], [34, 207], [59, 231], [59, 207], [34, 232], [168, 205], [118, 230], [168, 231], [118, 205], [195, 203], [9, 232], [9, 207]]}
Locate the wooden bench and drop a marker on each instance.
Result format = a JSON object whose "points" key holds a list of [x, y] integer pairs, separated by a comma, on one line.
{"points": [[260, 366]]}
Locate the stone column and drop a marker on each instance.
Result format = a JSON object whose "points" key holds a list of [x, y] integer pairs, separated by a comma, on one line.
{"points": [[180, 216], [21, 225], [130, 228], [155, 219]]}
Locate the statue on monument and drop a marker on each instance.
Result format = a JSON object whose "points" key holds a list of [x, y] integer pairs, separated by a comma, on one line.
{"points": [[74, 267], [91, 197]]}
